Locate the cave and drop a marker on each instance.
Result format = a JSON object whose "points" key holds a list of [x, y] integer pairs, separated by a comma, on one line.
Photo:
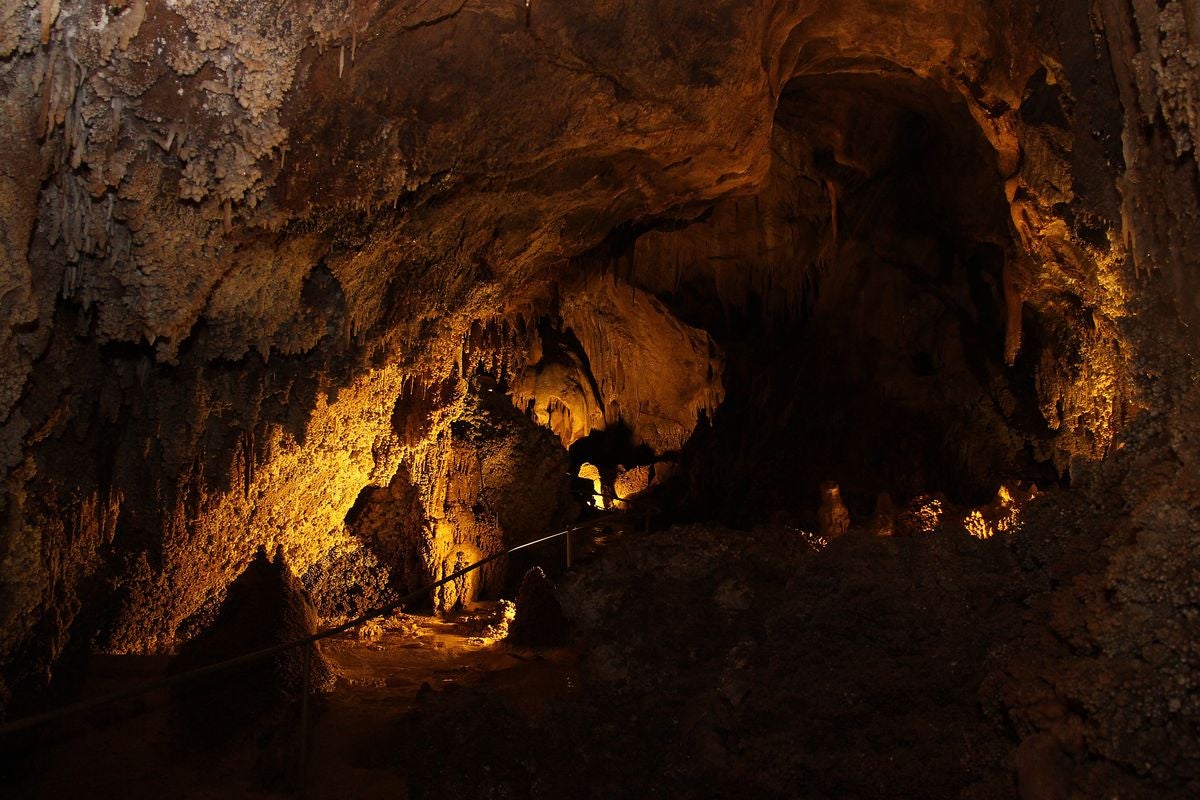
{"points": [[531, 399], [860, 300]]}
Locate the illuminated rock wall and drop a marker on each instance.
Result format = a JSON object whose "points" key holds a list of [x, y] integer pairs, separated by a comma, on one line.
{"points": [[636, 365]]}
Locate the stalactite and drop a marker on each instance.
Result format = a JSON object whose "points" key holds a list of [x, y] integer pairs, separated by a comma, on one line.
{"points": [[49, 11]]}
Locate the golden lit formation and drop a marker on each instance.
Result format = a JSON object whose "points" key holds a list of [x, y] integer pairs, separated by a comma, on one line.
{"points": [[1003, 514]]}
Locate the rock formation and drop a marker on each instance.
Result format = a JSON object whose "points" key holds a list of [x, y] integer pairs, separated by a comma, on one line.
{"points": [[265, 606], [539, 620], [348, 277], [833, 520]]}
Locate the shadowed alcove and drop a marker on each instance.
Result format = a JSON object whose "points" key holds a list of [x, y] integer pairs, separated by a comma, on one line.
{"points": [[860, 299]]}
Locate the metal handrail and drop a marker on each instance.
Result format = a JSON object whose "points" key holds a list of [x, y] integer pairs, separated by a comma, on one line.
{"points": [[266, 652]]}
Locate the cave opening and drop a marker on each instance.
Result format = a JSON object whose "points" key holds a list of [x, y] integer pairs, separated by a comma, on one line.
{"points": [[860, 301]]}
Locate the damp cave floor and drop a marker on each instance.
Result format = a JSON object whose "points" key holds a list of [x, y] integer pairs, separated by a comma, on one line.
{"points": [[125, 750], [381, 681]]}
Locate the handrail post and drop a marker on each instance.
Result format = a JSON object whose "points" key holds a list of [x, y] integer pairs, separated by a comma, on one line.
{"points": [[568, 538], [307, 683]]}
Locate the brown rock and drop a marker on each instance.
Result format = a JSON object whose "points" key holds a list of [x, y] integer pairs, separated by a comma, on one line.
{"points": [[883, 521], [833, 519], [539, 621], [265, 606]]}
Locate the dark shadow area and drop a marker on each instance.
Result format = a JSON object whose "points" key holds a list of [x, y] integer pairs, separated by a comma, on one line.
{"points": [[860, 297], [612, 447]]}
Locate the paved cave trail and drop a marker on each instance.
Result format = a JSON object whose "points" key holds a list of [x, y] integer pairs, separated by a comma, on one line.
{"points": [[383, 680]]}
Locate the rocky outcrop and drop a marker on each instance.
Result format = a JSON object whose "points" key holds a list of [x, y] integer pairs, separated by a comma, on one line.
{"points": [[637, 365], [833, 520], [539, 620], [487, 480], [348, 582], [265, 606]]}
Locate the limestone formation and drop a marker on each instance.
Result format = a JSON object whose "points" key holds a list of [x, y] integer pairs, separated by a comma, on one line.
{"points": [[1003, 514], [924, 515], [338, 278], [539, 620], [832, 517], [883, 521], [265, 606], [347, 583], [251, 283]]}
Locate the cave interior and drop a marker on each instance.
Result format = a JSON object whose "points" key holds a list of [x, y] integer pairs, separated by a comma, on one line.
{"points": [[851, 341]]}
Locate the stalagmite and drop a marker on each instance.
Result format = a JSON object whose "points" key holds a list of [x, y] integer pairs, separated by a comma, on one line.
{"points": [[833, 517]]}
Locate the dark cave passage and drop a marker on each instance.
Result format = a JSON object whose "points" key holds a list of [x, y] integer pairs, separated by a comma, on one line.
{"points": [[860, 301]]}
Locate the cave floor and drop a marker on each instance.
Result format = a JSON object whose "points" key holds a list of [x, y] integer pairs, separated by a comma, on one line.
{"points": [[382, 681], [125, 750]]}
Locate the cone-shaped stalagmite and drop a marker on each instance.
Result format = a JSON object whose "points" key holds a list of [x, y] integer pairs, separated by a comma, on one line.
{"points": [[833, 519], [265, 606], [539, 621]]}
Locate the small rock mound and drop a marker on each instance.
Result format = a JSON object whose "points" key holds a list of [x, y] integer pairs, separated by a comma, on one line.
{"points": [[265, 606], [539, 621]]}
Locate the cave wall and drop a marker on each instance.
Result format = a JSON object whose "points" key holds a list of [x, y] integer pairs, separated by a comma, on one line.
{"points": [[1103, 699], [233, 236], [492, 480], [189, 199]]}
